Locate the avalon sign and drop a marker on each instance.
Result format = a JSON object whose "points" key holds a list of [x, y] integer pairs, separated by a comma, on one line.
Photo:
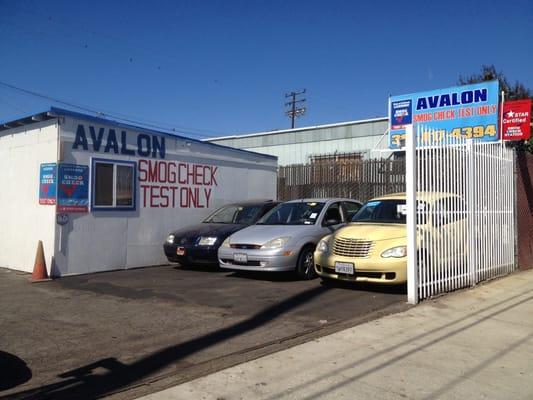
{"points": [[462, 112], [109, 141]]}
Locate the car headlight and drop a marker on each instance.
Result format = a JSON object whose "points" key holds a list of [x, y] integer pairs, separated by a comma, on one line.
{"points": [[397, 252], [207, 240], [225, 243], [276, 243], [170, 239], [322, 246]]}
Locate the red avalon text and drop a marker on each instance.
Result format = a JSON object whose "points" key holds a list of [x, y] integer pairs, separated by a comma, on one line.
{"points": [[172, 184]]}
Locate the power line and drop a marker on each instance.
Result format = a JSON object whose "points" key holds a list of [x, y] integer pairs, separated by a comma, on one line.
{"points": [[294, 111], [103, 114], [66, 36], [12, 105], [86, 43], [74, 24]]}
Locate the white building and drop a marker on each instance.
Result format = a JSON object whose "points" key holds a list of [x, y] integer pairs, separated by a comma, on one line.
{"points": [[103, 195]]}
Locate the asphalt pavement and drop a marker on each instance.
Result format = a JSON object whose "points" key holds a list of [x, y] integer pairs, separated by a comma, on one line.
{"points": [[129, 333], [472, 344]]}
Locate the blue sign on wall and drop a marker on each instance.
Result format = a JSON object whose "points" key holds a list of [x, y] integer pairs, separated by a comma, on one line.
{"points": [[469, 112], [73, 188], [47, 183]]}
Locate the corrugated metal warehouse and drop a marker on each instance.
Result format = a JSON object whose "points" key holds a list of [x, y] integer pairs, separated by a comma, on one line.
{"points": [[296, 146]]}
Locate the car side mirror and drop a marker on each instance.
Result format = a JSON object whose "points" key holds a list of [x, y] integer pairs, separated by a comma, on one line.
{"points": [[331, 222]]}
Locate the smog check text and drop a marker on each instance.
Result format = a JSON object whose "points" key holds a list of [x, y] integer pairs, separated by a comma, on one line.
{"points": [[171, 184]]}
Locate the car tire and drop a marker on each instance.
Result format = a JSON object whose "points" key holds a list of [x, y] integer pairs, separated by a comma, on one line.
{"points": [[305, 268]]}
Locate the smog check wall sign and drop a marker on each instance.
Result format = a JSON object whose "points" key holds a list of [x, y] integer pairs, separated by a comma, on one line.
{"points": [[176, 184], [469, 112]]}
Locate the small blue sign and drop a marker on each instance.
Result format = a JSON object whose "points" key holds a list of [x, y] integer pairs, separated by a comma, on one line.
{"points": [[73, 188], [48, 183], [401, 114]]}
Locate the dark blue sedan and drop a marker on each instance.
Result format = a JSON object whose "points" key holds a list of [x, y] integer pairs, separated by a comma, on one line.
{"points": [[198, 244]]}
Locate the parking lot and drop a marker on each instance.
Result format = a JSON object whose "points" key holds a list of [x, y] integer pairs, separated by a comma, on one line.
{"points": [[128, 333]]}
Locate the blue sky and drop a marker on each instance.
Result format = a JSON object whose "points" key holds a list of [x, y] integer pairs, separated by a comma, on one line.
{"points": [[210, 68]]}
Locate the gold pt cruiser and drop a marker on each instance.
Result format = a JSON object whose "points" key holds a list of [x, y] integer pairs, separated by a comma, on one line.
{"points": [[372, 248]]}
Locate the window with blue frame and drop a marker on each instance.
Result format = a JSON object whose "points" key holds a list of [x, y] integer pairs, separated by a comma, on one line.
{"points": [[113, 185]]}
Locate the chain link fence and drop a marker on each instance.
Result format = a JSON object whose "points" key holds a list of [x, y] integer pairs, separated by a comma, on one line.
{"points": [[354, 178]]}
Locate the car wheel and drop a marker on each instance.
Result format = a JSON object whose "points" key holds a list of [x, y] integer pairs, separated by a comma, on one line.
{"points": [[305, 269]]}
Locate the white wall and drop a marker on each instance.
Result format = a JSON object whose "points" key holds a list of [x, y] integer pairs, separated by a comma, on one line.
{"points": [[23, 221], [107, 240]]}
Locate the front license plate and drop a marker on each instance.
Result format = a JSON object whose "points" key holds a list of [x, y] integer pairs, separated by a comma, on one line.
{"points": [[240, 258], [344, 268], [180, 251]]}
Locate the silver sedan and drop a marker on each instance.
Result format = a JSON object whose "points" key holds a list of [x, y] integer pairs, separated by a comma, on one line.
{"points": [[284, 239]]}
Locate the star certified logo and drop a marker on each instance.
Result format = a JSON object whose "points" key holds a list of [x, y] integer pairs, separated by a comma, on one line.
{"points": [[510, 114]]}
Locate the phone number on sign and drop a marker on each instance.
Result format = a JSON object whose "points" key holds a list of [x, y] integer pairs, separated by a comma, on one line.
{"points": [[440, 135]]}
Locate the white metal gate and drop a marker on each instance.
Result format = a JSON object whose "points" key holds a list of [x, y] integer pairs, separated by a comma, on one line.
{"points": [[462, 194]]}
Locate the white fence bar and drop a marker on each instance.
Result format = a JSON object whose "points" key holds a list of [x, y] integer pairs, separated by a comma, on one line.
{"points": [[460, 203]]}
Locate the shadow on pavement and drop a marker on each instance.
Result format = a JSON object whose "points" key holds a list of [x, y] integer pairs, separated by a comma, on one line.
{"points": [[366, 287], [199, 268], [13, 371], [85, 382], [266, 276]]}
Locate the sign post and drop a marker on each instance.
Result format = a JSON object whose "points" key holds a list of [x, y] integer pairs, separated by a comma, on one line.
{"points": [[501, 117], [410, 171]]}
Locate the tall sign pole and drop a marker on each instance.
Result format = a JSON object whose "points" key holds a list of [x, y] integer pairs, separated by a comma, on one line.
{"points": [[501, 118], [410, 171]]}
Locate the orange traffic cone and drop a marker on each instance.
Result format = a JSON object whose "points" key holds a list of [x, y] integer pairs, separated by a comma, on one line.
{"points": [[39, 268]]}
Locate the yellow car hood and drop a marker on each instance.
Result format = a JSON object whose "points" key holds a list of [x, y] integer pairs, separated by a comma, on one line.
{"points": [[372, 231]]}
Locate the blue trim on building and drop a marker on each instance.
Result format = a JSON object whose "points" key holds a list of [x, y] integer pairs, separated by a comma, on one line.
{"points": [[25, 116], [74, 114]]}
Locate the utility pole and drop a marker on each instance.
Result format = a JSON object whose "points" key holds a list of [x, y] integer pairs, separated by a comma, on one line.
{"points": [[293, 110]]}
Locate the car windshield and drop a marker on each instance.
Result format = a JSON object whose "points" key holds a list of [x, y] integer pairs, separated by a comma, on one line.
{"points": [[382, 211], [302, 213], [235, 214], [389, 211]]}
